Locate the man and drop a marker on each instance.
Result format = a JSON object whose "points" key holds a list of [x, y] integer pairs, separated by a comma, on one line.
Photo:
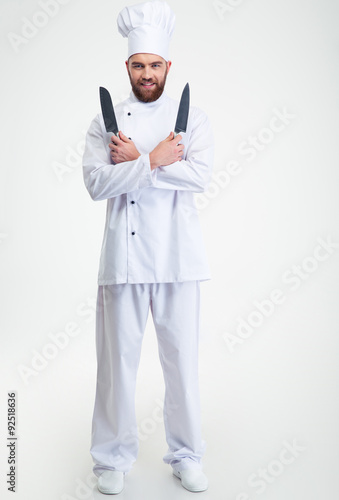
{"points": [[152, 255]]}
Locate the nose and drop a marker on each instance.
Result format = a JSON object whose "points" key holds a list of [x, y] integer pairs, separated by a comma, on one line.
{"points": [[146, 73]]}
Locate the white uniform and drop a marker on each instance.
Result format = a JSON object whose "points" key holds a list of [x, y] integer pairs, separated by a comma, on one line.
{"points": [[152, 257], [152, 231]]}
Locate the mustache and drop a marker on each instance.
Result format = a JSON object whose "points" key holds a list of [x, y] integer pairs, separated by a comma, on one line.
{"points": [[149, 80]]}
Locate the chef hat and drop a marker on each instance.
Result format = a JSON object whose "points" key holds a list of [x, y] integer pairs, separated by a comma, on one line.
{"points": [[148, 26]]}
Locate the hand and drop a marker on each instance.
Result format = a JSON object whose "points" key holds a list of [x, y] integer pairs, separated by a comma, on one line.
{"points": [[167, 152], [123, 149]]}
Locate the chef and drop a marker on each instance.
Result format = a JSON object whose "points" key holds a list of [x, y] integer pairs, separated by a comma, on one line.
{"points": [[152, 256]]}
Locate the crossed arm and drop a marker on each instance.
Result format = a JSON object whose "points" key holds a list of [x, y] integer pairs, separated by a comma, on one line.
{"points": [[167, 151], [189, 172]]}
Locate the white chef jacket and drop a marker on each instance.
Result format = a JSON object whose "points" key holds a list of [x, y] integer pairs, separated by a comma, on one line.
{"points": [[152, 232]]}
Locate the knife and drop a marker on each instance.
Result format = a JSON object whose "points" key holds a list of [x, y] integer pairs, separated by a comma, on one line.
{"points": [[108, 111], [184, 106]]}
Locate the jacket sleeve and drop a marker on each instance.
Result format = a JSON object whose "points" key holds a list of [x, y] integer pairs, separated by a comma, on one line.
{"points": [[194, 172], [103, 179]]}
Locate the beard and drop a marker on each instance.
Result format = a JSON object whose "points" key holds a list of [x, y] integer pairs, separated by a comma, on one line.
{"points": [[148, 95]]}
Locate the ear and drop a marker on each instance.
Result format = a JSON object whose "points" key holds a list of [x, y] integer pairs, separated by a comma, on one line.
{"points": [[169, 64], [126, 62]]}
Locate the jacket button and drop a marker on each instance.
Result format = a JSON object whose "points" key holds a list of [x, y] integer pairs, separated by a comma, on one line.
{"points": [[132, 202], [133, 233], [129, 114]]}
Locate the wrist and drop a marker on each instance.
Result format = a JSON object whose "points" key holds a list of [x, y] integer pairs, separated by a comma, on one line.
{"points": [[152, 161]]}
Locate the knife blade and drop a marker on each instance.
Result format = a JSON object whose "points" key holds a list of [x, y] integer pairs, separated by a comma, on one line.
{"points": [[108, 111], [183, 111]]}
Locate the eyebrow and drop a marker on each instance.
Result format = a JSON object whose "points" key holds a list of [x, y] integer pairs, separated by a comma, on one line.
{"points": [[153, 62]]}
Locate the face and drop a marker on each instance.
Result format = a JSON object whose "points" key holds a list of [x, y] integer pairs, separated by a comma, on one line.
{"points": [[147, 74]]}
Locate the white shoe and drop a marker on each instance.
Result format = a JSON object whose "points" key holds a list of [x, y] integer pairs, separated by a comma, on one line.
{"points": [[192, 479], [111, 482]]}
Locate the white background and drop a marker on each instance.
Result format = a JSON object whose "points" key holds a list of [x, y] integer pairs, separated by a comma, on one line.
{"points": [[244, 61]]}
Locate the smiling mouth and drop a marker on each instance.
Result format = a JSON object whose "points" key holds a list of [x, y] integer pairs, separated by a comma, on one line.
{"points": [[148, 85]]}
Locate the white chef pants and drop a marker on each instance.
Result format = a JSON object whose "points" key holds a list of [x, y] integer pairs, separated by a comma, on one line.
{"points": [[122, 312]]}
